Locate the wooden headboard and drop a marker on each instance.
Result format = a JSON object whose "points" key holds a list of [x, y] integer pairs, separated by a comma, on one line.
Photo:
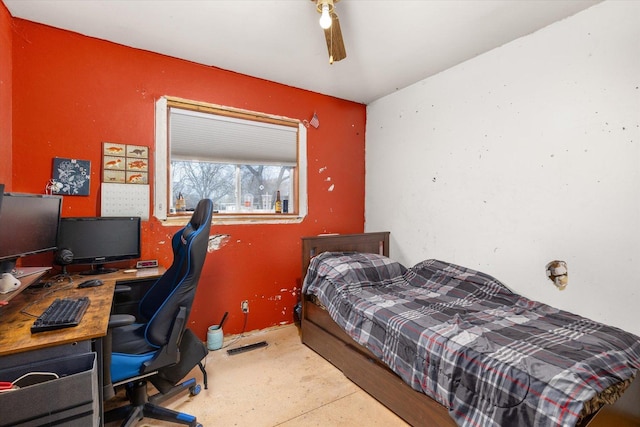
{"points": [[375, 243]]}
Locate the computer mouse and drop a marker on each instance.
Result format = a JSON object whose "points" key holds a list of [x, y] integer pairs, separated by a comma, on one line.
{"points": [[90, 283]]}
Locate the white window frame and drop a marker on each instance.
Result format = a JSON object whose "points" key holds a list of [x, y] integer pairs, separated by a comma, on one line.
{"points": [[161, 181]]}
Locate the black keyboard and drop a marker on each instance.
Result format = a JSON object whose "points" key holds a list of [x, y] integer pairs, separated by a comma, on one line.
{"points": [[62, 313]]}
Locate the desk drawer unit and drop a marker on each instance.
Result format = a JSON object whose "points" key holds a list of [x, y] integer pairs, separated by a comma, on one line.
{"points": [[70, 400]]}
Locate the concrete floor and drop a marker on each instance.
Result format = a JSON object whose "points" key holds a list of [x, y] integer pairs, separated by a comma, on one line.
{"points": [[284, 384]]}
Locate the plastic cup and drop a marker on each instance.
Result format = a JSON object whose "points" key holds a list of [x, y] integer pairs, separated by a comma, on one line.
{"points": [[215, 337], [266, 202]]}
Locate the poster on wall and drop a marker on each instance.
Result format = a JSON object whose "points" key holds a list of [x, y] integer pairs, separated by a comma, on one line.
{"points": [[125, 164], [71, 176]]}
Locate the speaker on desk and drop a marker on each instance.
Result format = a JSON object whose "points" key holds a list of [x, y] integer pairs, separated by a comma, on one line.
{"points": [[63, 257]]}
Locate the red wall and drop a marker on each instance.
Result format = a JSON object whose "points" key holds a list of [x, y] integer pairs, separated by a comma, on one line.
{"points": [[6, 65], [71, 93]]}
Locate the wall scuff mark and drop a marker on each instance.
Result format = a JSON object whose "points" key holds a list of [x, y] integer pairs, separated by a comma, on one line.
{"points": [[217, 241]]}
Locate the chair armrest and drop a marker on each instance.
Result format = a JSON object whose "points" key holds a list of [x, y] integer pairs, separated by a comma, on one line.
{"points": [[117, 320], [169, 354]]}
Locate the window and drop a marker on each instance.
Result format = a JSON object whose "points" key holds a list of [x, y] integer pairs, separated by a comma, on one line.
{"points": [[238, 159]]}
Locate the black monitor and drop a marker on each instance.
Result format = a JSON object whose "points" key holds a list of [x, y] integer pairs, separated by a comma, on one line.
{"points": [[28, 225], [100, 240]]}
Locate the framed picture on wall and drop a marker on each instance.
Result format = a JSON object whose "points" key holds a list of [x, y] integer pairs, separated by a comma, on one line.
{"points": [[137, 165], [125, 163], [113, 163], [71, 176], [137, 151], [113, 149], [116, 176], [137, 177]]}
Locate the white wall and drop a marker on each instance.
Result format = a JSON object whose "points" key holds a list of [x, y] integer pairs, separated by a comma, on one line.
{"points": [[520, 156]]}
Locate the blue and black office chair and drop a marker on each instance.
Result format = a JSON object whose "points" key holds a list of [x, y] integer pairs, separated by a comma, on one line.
{"points": [[160, 349]]}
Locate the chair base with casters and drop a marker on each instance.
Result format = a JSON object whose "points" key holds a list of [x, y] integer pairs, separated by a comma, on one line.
{"points": [[144, 406], [192, 352]]}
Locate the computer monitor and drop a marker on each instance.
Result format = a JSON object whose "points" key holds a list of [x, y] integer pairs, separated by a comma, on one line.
{"points": [[28, 225], [100, 240]]}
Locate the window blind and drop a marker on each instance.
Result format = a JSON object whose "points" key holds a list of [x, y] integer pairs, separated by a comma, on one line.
{"points": [[210, 137]]}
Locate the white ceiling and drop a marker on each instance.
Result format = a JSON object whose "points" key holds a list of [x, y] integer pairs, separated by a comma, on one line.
{"points": [[390, 44]]}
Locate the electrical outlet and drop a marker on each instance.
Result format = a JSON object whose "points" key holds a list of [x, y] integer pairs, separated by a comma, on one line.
{"points": [[244, 305]]}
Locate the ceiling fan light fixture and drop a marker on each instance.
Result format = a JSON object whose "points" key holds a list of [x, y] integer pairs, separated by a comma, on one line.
{"points": [[325, 18], [325, 8], [331, 29]]}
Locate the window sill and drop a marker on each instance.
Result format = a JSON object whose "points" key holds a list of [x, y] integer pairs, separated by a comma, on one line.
{"points": [[229, 219]]}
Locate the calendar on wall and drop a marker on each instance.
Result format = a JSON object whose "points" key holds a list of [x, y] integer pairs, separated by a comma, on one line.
{"points": [[125, 200]]}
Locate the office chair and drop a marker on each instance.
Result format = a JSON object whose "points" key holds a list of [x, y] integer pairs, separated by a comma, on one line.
{"points": [[160, 349]]}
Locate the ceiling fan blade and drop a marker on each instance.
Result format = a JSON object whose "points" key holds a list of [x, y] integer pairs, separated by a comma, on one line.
{"points": [[335, 44]]}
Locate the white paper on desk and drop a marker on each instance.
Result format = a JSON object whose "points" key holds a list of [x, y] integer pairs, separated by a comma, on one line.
{"points": [[144, 272], [25, 271]]}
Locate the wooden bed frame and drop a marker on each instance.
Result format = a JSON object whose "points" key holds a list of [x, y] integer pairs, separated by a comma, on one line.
{"points": [[325, 337]]}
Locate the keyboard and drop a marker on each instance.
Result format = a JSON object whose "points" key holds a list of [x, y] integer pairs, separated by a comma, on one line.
{"points": [[62, 313]]}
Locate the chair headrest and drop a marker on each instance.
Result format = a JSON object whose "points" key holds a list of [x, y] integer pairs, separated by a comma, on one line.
{"points": [[202, 213], [201, 216]]}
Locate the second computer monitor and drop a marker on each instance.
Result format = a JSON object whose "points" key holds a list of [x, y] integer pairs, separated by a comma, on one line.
{"points": [[100, 240], [28, 225]]}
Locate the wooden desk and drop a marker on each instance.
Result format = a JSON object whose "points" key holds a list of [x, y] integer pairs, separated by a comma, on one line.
{"points": [[20, 348], [15, 327]]}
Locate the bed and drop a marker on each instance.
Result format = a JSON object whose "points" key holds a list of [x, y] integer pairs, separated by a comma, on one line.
{"points": [[364, 366]]}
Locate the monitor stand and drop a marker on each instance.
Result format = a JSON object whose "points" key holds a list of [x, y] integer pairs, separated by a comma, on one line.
{"points": [[64, 275], [98, 270]]}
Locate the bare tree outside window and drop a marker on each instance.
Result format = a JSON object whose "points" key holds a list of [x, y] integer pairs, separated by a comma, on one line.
{"points": [[241, 160], [264, 180], [199, 180], [217, 181]]}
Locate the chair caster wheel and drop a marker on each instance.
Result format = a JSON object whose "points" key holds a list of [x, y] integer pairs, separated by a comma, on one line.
{"points": [[195, 390]]}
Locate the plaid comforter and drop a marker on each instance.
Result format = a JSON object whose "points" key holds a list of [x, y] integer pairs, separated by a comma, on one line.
{"points": [[494, 358]]}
